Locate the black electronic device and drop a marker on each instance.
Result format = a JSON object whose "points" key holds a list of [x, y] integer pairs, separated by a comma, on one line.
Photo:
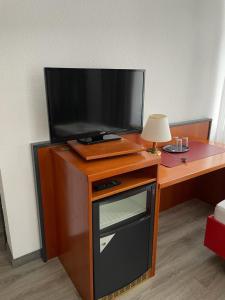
{"points": [[98, 138], [83, 101], [106, 185]]}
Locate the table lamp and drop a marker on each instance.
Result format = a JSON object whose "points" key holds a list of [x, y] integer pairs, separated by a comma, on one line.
{"points": [[156, 130]]}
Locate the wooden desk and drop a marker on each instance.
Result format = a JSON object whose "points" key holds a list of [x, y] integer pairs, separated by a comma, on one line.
{"points": [[186, 171], [202, 179]]}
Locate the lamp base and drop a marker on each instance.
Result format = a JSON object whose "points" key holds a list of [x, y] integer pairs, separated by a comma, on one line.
{"points": [[154, 151]]}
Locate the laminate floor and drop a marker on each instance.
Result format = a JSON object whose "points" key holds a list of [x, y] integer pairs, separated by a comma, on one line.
{"points": [[185, 269]]}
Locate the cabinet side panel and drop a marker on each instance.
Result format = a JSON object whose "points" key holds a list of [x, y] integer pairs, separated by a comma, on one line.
{"points": [[47, 203], [71, 190]]}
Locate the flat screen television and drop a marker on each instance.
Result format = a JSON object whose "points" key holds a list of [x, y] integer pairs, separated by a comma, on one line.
{"points": [[86, 102]]}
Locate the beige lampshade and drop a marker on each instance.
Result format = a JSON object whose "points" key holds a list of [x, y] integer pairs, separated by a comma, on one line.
{"points": [[157, 129]]}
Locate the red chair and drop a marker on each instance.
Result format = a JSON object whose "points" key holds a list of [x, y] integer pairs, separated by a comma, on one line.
{"points": [[215, 230]]}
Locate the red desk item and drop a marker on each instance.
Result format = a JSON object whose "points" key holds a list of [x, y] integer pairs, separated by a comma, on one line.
{"points": [[197, 151], [215, 236]]}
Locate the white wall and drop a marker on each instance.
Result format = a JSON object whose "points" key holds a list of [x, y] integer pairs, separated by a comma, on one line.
{"points": [[175, 41]]}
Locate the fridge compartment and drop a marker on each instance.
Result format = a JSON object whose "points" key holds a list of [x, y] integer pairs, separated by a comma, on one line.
{"points": [[122, 256], [119, 211]]}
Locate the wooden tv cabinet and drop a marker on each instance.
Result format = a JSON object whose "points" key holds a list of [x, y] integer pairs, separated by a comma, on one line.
{"points": [[77, 178], [67, 195]]}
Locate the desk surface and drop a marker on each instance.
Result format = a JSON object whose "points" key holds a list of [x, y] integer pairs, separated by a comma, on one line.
{"points": [[171, 176]]}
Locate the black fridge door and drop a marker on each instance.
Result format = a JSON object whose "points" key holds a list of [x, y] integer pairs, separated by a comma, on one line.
{"points": [[123, 253]]}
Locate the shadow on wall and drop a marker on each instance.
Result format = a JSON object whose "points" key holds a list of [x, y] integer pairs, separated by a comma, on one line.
{"points": [[4, 228], [3, 237], [37, 105]]}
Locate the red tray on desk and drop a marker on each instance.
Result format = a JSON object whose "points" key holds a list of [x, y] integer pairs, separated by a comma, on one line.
{"points": [[198, 150]]}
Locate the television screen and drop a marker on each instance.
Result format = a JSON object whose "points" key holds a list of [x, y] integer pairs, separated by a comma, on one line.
{"points": [[82, 102]]}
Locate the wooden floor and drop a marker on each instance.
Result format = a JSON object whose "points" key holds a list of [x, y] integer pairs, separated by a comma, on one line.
{"points": [[185, 269]]}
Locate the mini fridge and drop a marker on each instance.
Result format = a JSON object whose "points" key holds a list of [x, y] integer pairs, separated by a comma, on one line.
{"points": [[122, 238]]}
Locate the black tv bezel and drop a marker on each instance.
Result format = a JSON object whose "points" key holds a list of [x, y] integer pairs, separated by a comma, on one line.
{"points": [[75, 136]]}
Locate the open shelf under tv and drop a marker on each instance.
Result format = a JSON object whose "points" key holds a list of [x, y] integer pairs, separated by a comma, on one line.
{"points": [[127, 181]]}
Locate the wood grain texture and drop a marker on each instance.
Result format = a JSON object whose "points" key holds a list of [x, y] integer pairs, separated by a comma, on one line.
{"points": [[107, 149], [186, 171], [35, 280], [108, 167], [185, 268], [71, 196]]}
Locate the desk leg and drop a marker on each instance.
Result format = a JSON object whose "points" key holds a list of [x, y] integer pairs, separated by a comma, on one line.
{"points": [[155, 233]]}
